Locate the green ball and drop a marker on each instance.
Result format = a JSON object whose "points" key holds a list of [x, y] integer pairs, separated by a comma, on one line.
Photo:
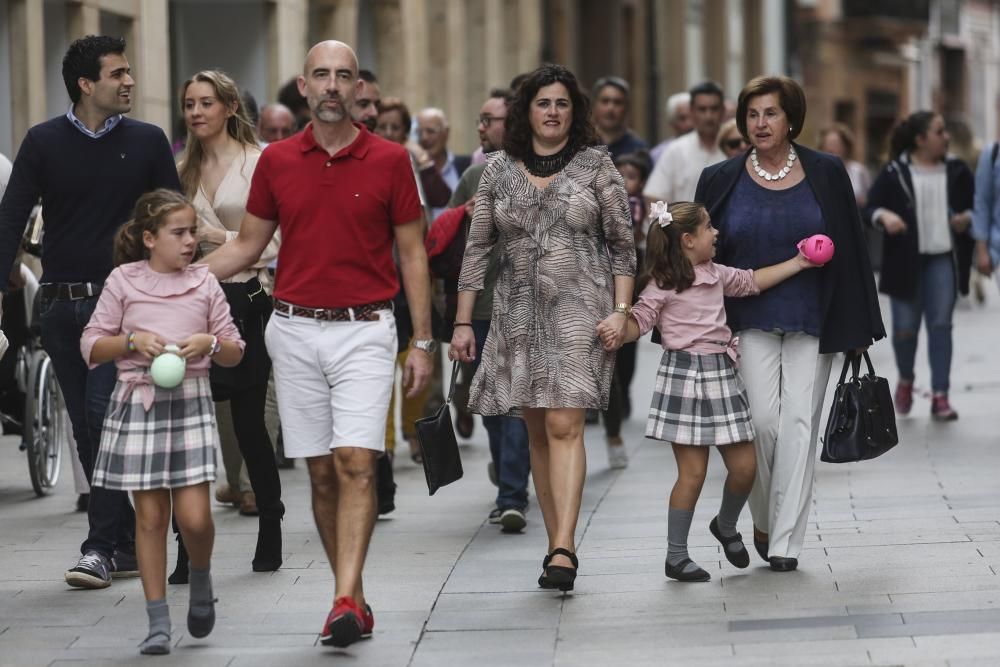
{"points": [[168, 368]]}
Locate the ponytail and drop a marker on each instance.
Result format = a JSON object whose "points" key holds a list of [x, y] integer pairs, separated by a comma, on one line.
{"points": [[151, 211], [904, 135], [666, 263]]}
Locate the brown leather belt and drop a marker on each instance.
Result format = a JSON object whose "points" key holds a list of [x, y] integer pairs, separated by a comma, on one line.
{"points": [[365, 313], [70, 291]]}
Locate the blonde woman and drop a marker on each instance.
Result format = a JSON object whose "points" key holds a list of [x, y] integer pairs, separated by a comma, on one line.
{"points": [[216, 168]]}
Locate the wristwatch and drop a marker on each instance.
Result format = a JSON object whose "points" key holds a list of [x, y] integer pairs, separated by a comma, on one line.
{"points": [[429, 346], [216, 346], [623, 308]]}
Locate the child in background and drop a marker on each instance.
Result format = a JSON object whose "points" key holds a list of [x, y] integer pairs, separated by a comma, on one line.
{"points": [[635, 169], [160, 443], [699, 399]]}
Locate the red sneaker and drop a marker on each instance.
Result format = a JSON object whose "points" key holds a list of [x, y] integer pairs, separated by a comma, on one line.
{"points": [[941, 409], [343, 625], [904, 397], [367, 622]]}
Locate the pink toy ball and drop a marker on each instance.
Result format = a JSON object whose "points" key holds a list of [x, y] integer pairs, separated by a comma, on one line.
{"points": [[818, 248]]}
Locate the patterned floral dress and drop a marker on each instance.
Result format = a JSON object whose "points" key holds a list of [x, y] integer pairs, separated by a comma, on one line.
{"points": [[560, 248]]}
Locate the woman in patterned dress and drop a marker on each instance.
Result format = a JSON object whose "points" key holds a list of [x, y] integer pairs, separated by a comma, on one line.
{"points": [[558, 208]]}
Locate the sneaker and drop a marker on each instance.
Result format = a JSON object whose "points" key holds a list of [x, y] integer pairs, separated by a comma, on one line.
{"points": [[941, 410], [367, 622], [512, 520], [617, 456], [491, 472], [124, 565], [495, 515], [344, 624], [92, 571], [904, 397]]}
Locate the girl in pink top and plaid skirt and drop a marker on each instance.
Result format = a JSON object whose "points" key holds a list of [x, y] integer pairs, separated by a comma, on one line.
{"points": [[699, 399], [160, 443]]}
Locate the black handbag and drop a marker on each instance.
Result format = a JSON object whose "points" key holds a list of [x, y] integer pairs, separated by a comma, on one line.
{"points": [[862, 423], [442, 461]]}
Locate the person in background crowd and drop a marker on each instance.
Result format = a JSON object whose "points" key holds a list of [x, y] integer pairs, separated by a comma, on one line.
{"points": [[676, 173], [986, 212], [332, 337], [557, 207], [787, 335], [923, 199], [276, 122], [216, 170], [611, 107], [249, 104], [292, 99], [365, 109], [678, 110], [88, 166], [837, 139], [731, 142], [433, 133]]}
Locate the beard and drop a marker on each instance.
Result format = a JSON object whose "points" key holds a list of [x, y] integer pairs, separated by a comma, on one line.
{"points": [[327, 114]]}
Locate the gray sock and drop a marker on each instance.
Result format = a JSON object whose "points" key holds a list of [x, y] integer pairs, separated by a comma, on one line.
{"points": [[678, 527], [158, 640], [729, 514], [201, 610]]}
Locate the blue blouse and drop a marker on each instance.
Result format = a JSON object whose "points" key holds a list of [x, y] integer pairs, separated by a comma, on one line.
{"points": [[760, 227]]}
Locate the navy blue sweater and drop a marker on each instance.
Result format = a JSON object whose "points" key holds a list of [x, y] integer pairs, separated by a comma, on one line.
{"points": [[88, 189]]}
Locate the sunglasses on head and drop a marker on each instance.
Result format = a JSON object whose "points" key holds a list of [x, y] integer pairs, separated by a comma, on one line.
{"points": [[733, 144]]}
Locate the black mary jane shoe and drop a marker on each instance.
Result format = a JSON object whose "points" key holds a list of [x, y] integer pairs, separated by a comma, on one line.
{"points": [[761, 546], [677, 572], [782, 564], [543, 580], [560, 577], [741, 558]]}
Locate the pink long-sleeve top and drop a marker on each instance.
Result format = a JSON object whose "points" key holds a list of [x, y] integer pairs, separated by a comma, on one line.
{"points": [[173, 305], [695, 320]]}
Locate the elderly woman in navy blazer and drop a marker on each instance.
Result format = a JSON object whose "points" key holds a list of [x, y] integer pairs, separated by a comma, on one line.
{"points": [[763, 202]]}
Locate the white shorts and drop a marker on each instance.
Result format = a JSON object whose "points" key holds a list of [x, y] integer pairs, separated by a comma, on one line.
{"points": [[333, 381]]}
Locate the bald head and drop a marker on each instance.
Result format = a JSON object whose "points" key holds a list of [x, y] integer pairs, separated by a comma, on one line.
{"points": [[327, 48], [276, 122], [432, 132], [329, 81]]}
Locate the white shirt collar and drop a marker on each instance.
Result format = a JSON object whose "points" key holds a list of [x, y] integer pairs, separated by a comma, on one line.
{"points": [[109, 124]]}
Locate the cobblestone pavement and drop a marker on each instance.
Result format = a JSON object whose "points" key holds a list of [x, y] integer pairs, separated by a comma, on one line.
{"points": [[900, 567]]}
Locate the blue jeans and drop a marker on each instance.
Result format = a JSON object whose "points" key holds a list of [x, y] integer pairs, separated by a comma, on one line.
{"points": [[508, 442], [87, 393], [935, 303]]}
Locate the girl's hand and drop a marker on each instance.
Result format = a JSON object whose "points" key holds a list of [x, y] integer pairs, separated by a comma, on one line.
{"points": [[804, 262], [148, 344], [463, 345], [198, 345], [612, 330], [892, 223]]}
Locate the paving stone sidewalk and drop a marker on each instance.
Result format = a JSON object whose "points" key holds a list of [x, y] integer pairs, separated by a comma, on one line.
{"points": [[900, 567]]}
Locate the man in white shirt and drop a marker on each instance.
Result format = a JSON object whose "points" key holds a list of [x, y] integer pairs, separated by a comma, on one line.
{"points": [[675, 176]]}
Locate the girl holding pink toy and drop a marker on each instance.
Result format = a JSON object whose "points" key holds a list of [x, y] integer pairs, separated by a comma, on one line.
{"points": [[699, 399], [160, 443]]}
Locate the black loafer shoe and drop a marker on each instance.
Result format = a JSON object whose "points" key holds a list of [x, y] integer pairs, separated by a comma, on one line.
{"points": [[677, 572], [761, 548], [740, 558], [782, 564]]}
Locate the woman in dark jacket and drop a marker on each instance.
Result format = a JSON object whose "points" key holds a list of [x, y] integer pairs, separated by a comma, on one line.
{"points": [[923, 200], [764, 202]]}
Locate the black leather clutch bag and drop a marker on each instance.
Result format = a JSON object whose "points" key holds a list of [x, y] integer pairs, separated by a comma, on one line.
{"points": [[442, 461]]}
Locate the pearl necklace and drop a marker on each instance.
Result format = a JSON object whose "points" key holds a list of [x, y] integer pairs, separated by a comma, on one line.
{"points": [[768, 176]]}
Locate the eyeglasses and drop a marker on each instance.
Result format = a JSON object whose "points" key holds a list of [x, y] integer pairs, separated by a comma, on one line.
{"points": [[733, 144], [488, 120]]}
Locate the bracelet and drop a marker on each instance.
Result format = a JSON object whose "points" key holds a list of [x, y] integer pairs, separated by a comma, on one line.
{"points": [[623, 308], [130, 341], [461, 324]]}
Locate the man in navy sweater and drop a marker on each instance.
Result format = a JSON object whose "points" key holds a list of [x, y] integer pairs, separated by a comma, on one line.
{"points": [[89, 167]]}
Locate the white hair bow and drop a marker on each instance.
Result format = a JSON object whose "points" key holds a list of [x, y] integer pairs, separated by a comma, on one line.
{"points": [[660, 214]]}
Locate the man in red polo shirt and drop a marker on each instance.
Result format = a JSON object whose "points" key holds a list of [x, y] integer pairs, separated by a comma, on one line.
{"points": [[341, 196]]}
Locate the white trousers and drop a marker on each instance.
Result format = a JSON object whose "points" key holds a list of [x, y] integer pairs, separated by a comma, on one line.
{"points": [[786, 379]]}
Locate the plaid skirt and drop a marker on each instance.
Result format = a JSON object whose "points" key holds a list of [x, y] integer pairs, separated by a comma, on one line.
{"points": [[699, 399], [170, 446]]}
